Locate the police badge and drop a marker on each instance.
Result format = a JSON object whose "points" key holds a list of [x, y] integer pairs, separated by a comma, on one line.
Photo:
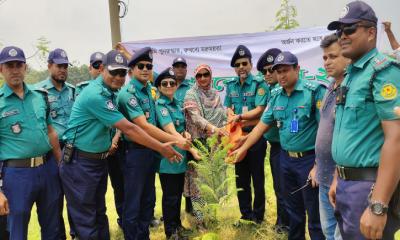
{"points": [[16, 128]]}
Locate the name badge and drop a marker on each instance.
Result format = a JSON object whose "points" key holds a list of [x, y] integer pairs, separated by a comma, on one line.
{"points": [[147, 114], [245, 109], [294, 126]]}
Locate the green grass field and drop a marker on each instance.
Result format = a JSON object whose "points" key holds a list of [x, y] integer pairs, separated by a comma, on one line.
{"points": [[227, 215]]}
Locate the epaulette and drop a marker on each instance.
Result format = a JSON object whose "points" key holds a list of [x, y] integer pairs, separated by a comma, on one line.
{"points": [[381, 62], [82, 83], [258, 79], [45, 95], [323, 84], [276, 91], [1, 94], [105, 92], [131, 89], [234, 79], [310, 85], [70, 85], [161, 101], [41, 90]]}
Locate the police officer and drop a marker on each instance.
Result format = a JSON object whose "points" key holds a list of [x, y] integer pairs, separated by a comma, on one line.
{"points": [[137, 104], [87, 141], [294, 109], [246, 98], [264, 65], [96, 59], [27, 136], [179, 67], [172, 175], [61, 97], [366, 144]]}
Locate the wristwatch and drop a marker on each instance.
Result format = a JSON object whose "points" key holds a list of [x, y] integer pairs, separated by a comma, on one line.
{"points": [[378, 208]]}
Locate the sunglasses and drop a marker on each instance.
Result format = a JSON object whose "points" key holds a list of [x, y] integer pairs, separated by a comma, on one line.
{"points": [[244, 64], [148, 66], [264, 71], [200, 75], [168, 83], [65, 66], [119, 72], [350, 29], [96, 65]]}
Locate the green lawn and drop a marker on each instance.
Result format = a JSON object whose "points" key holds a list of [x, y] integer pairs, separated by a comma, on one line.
{"points": [[227, 216]]}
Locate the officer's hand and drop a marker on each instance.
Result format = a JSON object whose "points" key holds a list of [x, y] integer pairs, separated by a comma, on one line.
{"points": [[233, 118], [332, 192], [112, 149], [313, 176], [187, 135], [371, 225], [183, 144], [239, 142], [238, 155], [387, 26], [221, 132], [170, 153], [4, 210], [196, 155]]}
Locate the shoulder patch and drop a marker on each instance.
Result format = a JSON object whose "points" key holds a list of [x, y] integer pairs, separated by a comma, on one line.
{"points": [[110, 105], [164, 112], [389, 91], [133, 101], [261, 91]]}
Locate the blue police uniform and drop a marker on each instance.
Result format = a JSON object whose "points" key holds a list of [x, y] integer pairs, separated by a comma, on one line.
{"points": [[84, 177], [28, 177], [242, 97], [140, 164], [272, 136]]}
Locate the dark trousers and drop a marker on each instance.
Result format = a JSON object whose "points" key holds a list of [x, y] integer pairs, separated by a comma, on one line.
{"points": [[139, 192], [3, 228], [252, 169], [282, 218], [294, 175], [172, 187], [117, 180], [351, 201], [25, 186], [85, 185]]}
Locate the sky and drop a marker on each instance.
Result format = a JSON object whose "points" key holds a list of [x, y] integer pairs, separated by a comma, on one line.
{"points": [[82, 27]]}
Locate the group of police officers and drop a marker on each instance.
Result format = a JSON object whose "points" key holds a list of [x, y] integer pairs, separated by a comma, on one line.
{"points": [[58, 140]]}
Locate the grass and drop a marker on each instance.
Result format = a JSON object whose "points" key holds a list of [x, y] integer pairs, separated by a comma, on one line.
{"points": [[227, 215]]}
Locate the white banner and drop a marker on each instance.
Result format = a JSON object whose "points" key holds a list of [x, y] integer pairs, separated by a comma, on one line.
{"points": [[217, 51]]}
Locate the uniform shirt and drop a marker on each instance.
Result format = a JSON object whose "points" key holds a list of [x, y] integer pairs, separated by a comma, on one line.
{"points": [[246, 97], [323, 144], [23, 124], [92, 118], [80, 86], [171, 112], [60, 104], [273, 133], [298, 106], [135, 100], [358, 134], [181, 91]]}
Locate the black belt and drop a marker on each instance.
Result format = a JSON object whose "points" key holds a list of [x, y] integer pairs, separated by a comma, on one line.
{"points": [[25, 162], [92, 156], [133, 145], [357, 174], [300, 154]]}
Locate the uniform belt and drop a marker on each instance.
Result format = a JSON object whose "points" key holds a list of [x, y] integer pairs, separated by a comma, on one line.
{"points": [[133, 145], [25, 162], [300, 154], [92, 156], [357, 174]]}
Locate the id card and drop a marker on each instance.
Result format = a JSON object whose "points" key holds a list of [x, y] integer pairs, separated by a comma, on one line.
{"points": [[294, 126]]}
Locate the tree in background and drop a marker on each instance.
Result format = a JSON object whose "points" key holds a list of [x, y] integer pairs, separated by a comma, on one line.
{"points": [[285, 17]]}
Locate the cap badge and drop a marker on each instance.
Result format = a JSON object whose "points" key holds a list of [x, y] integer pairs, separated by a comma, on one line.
{"points": [[119, 59], [12, 52], [280, 58], [98, 56], [63, 54], [344, 12], [151, 55], [171, 72], [270, 58], [241, 52]]}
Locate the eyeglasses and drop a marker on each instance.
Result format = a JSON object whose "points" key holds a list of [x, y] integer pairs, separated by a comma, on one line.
{"points": [[264, 71], [200, 75], [148, 66], [168, 83], [96, 65], [119, 72], [244, 64], [350, 29]]}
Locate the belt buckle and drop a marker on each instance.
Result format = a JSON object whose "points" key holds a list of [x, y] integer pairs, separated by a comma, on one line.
{"points": [[341, 172], [294, 154], [36, 161], [104, 156]]}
